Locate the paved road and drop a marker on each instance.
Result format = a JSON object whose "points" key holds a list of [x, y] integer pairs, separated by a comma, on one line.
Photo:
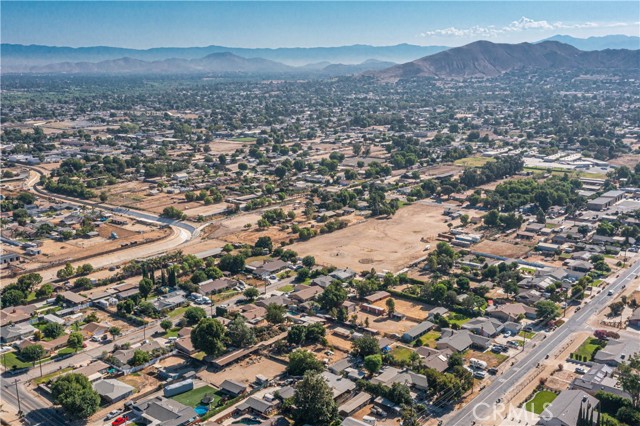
{"points": [[482, 405]]}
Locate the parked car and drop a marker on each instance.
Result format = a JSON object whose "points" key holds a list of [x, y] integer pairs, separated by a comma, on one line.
{"points": [[493, 371], [581, 370], [506, 334], [528, 328], [113, 414], [120, 421], [479, 374], [513, 343]]}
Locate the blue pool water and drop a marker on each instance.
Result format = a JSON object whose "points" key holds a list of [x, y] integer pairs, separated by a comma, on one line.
{"points": [[246, 421], [201, 410]]}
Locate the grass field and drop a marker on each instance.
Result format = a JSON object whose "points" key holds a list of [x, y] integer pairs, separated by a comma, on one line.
{"points": [[177, 312], [538, 403], [173, 332], [194, 396], [561, 172], [473, 161], [587, 348], [429, 339], [401, 353]]}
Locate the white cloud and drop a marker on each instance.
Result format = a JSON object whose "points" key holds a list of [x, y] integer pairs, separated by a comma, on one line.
{"points": [[520, 25]]}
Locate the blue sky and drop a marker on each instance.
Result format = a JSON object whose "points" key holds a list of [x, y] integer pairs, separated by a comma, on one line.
{"points": [[305, 24]]}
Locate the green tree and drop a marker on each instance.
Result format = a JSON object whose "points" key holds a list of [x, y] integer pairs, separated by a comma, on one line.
{"points": [[75, 340], [251, 293], [193, 315], [145, 287], [32, 353], [391, 306], [301, 361], [166, 324], [373, 363], [44, 291], [313, 402], [75, 394], [297, 334], [65, 272], [275, 313], [208, 336], [139, 357], [547, 310], [52, 330], [629, 379], [365, 346], [309, 261], [240, 335], [333, 296]]}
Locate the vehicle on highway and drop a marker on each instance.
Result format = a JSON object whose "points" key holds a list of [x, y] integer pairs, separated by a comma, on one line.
{"points": [[610, 293]]}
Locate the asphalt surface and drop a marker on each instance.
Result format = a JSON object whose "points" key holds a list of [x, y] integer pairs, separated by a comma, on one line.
{"points": [[482, 405]]}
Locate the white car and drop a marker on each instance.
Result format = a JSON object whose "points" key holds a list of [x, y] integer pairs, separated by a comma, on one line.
{"points": [[113, 414]]}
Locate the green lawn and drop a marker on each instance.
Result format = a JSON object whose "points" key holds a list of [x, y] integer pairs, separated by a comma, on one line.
{"points": [[455, 318], [220, 297], [473, 161], [177, 312], [172, 332], [10, 360], [194, 396], [199, 356], [65, 351], [561, 172], [286, 288], [587, 348], [400, 353], [527, 334], [538, 403], [429, 339], [47, 377], [244, 139]]}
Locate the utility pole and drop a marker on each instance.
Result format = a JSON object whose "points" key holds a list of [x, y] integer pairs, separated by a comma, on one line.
{"points": [[40, 359], [18, 396]]}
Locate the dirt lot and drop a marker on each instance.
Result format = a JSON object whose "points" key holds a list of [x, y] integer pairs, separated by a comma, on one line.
{"points": [[338, 342], [245, 371], [629, 160], [141, 380], [500, 248], [385, 325], [226, 147], [492, 360], [413, 310], [383, 244]]}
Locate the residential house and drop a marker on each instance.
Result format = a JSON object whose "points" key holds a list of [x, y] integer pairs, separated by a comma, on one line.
{"points": [[16, 314], [437, 311], [377, 296], [163, 411], [483, 326], [14, 332], [512, 312], [617, 351], [459, 341], [417, 331], [169, 301], [93, 329], [304, 293], [323, 281], [112, 390], [343, 274], [233, 388], [390, 375], [216, 286], [341, 387], [354, 404], [256, 406], [267, 268], [565, 409], [600, 377], [434, 358]]}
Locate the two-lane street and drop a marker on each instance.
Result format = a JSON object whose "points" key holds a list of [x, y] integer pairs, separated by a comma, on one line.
{"points": [[482, 405]]}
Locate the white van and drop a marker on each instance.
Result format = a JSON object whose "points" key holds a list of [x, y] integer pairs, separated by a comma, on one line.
{"points": [[369, 420]]}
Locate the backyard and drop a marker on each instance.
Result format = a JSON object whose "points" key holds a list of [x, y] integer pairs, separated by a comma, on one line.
{"points": [[429, 339], [194, 397], [400, 353]]}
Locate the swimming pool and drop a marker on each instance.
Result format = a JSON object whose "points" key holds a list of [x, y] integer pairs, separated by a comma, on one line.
{"points": [[201, 410], [247, 421]]}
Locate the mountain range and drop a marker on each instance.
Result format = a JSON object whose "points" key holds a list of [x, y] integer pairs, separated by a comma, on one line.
{"points": [[478, 59], [486, 59], [18, 58]]}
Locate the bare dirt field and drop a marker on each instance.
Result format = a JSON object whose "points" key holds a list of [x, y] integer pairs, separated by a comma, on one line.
{"points": [[385, 325], [629, 160], [338, 342], [245, 371], [413, 310], [226, 147], [492, 360], [500, 248], [383, 244], [142, 381], [203, 210]]}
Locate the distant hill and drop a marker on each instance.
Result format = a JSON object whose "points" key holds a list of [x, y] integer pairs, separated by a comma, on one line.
{"points": [[17, 57], [486, 59], [213, 63], [599, 43], [216, 63]]}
